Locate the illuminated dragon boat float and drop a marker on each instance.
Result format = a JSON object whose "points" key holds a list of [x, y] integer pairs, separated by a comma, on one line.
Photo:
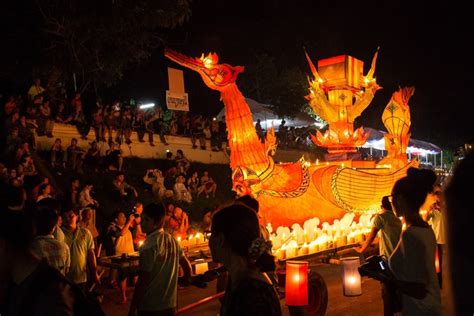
{"points": [[319, 200]]}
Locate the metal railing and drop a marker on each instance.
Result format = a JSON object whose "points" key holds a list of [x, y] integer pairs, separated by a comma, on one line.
{"points": [[199, 303]]}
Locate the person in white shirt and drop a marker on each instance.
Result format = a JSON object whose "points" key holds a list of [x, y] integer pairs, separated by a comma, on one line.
{"points": [[86, 221], [413, 260], [85, 198], [181, 193], [155, 178], [123, 240]]}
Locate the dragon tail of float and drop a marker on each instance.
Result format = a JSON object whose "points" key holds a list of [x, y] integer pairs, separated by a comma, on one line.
{"points": [[357, 190]]}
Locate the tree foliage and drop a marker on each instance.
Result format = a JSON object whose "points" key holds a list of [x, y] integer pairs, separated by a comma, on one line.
{"points": [[98, 40], [282, 87]]}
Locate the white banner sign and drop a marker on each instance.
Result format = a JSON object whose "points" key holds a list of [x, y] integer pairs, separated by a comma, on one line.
{"points": [[177, 101]]}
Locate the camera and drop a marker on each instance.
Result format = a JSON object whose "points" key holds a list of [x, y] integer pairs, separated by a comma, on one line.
{"points": [[376, 268], [136, 215]]}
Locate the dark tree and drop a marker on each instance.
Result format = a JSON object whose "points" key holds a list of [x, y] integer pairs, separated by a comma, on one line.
{"points": [[98, 40], [280, 86]]}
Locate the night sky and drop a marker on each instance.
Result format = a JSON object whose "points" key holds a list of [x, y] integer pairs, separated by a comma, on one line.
{"points": [[428, 45]]}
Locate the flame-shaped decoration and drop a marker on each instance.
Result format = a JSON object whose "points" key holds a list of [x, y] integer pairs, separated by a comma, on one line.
{"points": [[210, 60]]}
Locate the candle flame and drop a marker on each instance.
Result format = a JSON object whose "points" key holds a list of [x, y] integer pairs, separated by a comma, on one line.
{"points": [[351, 280], [296, 278]]}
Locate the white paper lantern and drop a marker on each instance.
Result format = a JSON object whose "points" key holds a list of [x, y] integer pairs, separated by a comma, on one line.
{"points": [[351, 283]]}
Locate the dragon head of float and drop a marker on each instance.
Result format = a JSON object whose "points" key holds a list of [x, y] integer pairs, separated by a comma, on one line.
{"points": [[216, 76]]}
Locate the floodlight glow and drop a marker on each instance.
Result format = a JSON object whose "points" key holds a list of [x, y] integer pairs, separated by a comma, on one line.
{"points": [[147, 106]]}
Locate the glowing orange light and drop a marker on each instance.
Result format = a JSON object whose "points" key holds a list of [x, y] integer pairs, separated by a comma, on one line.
{"points": [[296, 288]]}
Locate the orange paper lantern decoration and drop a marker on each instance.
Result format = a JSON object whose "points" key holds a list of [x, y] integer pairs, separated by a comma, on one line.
{"points": [[296, 289]]}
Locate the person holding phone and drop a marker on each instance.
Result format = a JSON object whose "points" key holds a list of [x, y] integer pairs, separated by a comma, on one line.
{"points": [[138, 235], [389, 228]]}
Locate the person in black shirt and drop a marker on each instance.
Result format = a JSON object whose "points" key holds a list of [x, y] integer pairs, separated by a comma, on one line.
{"points": [[141, 126], [113, 160], [235, 241]]}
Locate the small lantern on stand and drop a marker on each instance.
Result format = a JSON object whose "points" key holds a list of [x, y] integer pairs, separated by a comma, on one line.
{"points": [[351, 284], [296, 285]]}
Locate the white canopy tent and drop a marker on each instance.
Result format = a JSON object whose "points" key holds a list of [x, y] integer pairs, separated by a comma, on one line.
{"points": [[415, 147], [269, 118]]}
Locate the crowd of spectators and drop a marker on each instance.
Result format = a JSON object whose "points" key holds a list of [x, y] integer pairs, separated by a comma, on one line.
{"points": [[175, 181], [289, 137], [28, 178], [111, 122]]}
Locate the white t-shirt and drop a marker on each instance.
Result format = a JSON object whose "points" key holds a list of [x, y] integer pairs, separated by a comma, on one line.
{"points": [[414, 260], [124, 243], [437, 223], [181, 193]]}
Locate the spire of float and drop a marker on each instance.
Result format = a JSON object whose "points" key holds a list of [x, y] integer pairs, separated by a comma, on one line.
{"points": [[370, 74]]}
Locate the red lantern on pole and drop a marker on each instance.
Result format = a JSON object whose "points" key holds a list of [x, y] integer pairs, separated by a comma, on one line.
{"points": [[438, 268], [296, 287]]}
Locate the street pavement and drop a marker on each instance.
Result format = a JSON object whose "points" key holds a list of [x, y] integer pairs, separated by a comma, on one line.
{"points": [[368, 304]]}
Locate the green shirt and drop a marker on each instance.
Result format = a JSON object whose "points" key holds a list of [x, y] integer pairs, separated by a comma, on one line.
{"points": [[390, 229], [160, 256], [80, 243]]}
